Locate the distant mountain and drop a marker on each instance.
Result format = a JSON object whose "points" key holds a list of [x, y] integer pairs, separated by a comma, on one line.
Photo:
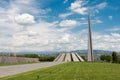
{"points": [[94, 51], [56, 52], [39, 52]]}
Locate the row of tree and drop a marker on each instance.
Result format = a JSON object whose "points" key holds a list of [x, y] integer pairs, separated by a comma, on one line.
{"points": [[41, 58], [114, 58]]}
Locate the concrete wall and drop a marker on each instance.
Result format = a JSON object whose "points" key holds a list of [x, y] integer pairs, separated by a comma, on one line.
{"points": [[5, 59]]}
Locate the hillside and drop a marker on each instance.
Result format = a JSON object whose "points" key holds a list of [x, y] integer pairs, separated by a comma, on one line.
{"points": [[72, 71]]}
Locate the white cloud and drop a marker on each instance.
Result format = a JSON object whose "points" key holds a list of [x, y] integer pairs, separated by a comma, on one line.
{"points": [[80, 10], [76, 4], [78, 7], [98, 21], [24, 19], [68, 23], [96, 8], [45, 36], [41, 35], [65, 15], [96, 11], [13, 36], [114, 29], [83, 18], [101, 5], [65, 1], [107, 42], [110, 17], [23, 1], [66, 38]]}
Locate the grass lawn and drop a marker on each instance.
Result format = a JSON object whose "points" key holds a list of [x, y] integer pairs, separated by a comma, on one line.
{"points": [[11, 64], [72, 71]]}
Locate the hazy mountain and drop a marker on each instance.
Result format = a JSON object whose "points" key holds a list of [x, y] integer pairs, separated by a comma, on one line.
{"points": [[94, 51], [55, 52]]}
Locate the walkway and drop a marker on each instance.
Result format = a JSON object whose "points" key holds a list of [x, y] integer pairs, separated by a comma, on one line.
{"points": [[16, 69]]}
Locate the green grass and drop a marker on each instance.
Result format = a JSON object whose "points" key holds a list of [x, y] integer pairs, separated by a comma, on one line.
{"points": [[11, 64], [72, 71]]}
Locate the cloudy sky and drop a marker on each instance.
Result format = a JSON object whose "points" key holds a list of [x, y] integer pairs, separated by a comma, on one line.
{"points": [[58, 25]]}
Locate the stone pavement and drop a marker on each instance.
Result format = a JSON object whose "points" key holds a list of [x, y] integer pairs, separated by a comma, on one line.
{"points": [[16, 69]]}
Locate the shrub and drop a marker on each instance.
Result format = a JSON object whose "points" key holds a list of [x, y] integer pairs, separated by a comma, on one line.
{"points": [[51, 58], [114, 57], [106, 58]]}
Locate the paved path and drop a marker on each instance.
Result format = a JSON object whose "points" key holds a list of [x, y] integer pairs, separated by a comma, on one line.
{"points": [[16, 69]]}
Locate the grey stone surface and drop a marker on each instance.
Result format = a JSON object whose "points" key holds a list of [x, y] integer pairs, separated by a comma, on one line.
{"points": [[56, 59], [68, 57], [80, 58], [74, 57], [16, 69], [90, 51], [61, 57]]}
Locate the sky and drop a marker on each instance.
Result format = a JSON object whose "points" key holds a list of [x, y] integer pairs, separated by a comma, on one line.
{"points": [[58, 25]]}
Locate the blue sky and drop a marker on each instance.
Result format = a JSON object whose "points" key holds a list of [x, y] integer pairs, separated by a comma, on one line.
{"points": [[58, 25]]}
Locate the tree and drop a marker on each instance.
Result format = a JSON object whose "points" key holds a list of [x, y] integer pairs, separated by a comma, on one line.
{"points": [[31, 55], [50, 58], [102, 57], [118, 59], [114, 57], [106, 58]]}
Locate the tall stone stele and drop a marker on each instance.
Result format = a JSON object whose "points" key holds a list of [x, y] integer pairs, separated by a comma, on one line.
{"points": [[90, 51]]}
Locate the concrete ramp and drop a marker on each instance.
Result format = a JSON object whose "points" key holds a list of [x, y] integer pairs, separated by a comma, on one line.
{"points": [[75, 58], [61, 58], [80, 58], [69, 57], [56, 59]]}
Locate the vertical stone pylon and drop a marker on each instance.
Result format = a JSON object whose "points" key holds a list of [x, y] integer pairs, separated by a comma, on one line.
{"points": [[90, 51]]}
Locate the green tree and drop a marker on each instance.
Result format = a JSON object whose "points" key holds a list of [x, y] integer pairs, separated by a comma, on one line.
{"points": [[118, 59], [114, 57], [31, 55], [106, 58], [102, 57], [50, 58]]}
